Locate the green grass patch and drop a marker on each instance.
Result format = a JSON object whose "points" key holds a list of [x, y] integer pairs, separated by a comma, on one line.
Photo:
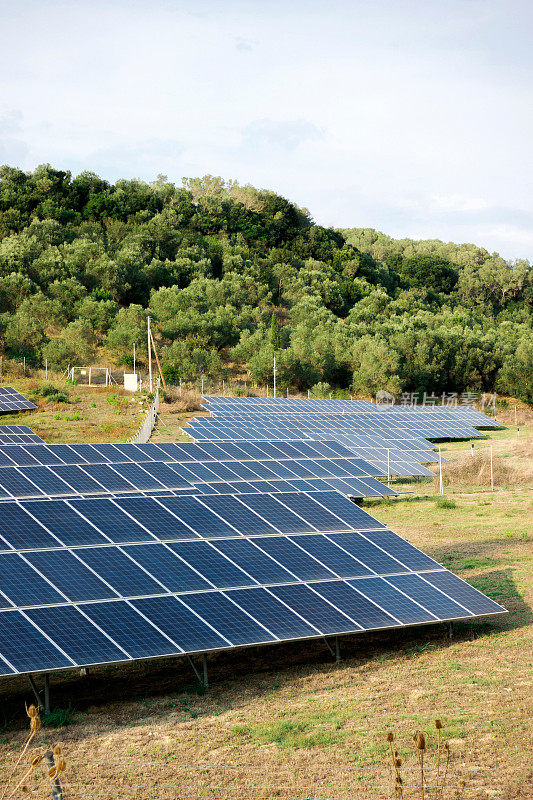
{"points": [[445, 502], [301, 730], [59, 717]]}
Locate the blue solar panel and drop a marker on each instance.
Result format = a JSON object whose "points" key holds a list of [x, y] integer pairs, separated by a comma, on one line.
{"points": [[70, 575], [211, 564], [185, 628], [236, 626], [166, 567], [120, 572], [314, 609], [280, 620], [365, 613], [27, 648], [76, 635]]}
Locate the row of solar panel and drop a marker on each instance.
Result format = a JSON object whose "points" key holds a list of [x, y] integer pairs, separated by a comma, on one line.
{"points": [[18, 434], [51, 454], [400, 426], [220, 405], [11, 400], [60, 523], [211, 427], [225, 452], [67, 479], [98, 573], [96, 633], [381, 421]]}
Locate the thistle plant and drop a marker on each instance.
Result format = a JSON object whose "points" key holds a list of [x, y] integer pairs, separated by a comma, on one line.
{"points": [[52, 758], [442, 755]]}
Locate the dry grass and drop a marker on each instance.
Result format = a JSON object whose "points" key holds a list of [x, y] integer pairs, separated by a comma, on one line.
{"points": [[92, 414], [176, 402], [286, 722], [512, 462]]}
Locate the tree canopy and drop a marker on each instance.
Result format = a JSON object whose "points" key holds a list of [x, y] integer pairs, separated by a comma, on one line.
{"points": [[230, 274]]}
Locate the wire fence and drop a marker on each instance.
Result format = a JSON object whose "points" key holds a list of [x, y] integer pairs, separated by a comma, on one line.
{"points": [[146, 427]]}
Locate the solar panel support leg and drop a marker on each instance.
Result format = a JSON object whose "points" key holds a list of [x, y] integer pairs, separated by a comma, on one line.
{"points": [[47, 693], [450, 630], [35, 690], [337, 650], [44, 704], [329, 647], [206, 674], [191, 662]]}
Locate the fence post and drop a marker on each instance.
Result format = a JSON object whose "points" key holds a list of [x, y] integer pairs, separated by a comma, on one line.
{"points": [[388, 467], [491, 472], [472, 449], [441, 483]]}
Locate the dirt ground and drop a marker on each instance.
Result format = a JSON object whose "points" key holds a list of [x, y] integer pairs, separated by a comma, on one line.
{"points": [[288, 722]]}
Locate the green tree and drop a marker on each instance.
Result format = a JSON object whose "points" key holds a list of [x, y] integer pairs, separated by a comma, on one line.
{"points": [[274, 332]]}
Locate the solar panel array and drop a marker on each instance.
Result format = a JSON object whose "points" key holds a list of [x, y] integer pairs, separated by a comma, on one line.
{"points": [[116, 552], [269, 405], [87, 582], [11, 400], [394, 441], [18, 434], [123, 469]]}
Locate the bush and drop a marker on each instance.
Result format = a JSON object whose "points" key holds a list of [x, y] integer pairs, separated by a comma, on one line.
{"points": [[445, 502]]}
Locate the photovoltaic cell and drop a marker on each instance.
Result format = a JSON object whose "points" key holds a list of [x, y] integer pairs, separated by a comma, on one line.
{"points": [[70, 575], [211, 564], [353, 603], [20, 531], [227, 618], [297, 561], [333, 557], [367, 553], [26, 648], [243, 519], [77, 636], [23, 585], [119, 571], [70, 528], [178, 622], [254, 561], [199, 518], [165, 566], [129, 629], [475, 601], [314, 608], [429, 597], [280, 620], [392, 601]]}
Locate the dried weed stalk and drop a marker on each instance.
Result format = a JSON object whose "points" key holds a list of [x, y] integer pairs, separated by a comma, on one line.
{"points": [[50, 758], [442, 755]]}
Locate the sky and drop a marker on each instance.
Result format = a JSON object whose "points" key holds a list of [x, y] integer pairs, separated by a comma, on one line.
{"points": [[413, 117]]}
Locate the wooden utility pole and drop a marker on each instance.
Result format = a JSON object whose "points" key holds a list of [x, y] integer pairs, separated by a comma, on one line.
{"points": [[158, 364]]}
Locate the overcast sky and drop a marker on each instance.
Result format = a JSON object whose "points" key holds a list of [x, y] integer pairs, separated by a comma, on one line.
{"points": [[410, 116]]}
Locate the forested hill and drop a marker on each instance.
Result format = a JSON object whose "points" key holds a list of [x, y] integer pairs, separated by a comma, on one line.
{"points": [[229, 272]]}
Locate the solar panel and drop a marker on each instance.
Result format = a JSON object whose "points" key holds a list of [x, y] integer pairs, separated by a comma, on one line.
{"points": [[11, 400], [18, 434], [185, 575]]}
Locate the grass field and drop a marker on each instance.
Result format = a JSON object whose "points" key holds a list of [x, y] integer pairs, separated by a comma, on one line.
{"points": [[95, 414], [288, 722]]}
